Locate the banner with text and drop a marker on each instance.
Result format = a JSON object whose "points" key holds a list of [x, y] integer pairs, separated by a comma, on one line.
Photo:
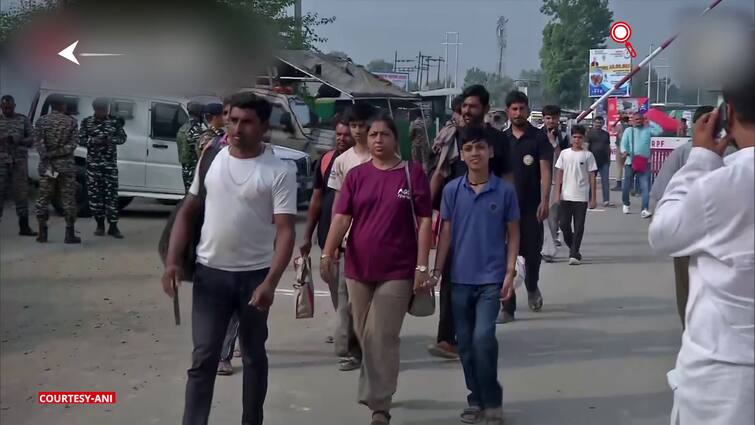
{"points": [[398, 79], [608, 67]]}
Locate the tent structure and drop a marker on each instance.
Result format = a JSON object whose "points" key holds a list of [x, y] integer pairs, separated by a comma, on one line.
{"points": [[351, 80]]}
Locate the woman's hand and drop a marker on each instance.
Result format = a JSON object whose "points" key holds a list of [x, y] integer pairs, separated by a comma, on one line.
{"points": [[422, 282], [326, 269]]}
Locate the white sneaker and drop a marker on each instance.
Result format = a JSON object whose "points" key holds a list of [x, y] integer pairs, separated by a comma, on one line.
{"points": [[574, 262], [625, 209], [646, 214]]}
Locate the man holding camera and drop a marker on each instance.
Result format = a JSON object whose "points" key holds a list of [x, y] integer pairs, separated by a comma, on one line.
{"points": [[707, 213]]}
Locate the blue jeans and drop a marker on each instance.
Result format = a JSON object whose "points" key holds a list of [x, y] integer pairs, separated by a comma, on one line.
{"points": [[475, 308], [644, 178], [604, 171]]}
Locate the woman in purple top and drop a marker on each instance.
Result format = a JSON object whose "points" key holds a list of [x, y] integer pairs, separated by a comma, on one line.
{"points": [[386, 257]]}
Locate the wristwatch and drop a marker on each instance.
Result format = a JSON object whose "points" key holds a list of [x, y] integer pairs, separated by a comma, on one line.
{"points": [[421, 269]]}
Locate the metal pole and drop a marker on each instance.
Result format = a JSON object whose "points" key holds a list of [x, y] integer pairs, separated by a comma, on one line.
{"points": [[657, 86], [419, 70], [650, 72], [446, 80], [456, 73], [698, 96], [395, 60], [665, 96], [644, 62], [297, 18]]}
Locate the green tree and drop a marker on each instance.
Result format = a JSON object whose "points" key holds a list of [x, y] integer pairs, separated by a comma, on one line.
{"points": [[379, 65], [575, 27], [273, 12]]}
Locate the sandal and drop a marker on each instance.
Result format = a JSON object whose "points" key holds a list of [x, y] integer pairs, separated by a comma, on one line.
{"points": [[380, 417], [471, 415]]}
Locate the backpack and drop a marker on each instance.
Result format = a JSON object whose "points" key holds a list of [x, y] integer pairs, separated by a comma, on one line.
{"points": [[325, 162], [188, 258]]}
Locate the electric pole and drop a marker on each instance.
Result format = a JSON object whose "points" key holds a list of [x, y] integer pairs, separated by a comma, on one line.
{"points": [[501, 35]]}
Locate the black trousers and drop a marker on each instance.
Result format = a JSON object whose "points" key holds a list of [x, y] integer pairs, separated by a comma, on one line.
{"points": [[217, 295], [446, 325], [530, 244], [573, 212]]}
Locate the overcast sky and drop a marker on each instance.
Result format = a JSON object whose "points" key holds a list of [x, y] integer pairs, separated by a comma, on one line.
{"points": [[372, 29]]}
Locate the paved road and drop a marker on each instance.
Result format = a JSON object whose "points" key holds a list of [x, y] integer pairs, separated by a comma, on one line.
{"points": [[94, 318]]}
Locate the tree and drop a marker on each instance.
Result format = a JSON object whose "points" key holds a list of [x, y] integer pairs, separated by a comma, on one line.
{"points": [[379, 65], [272, 12], [575, 27]]}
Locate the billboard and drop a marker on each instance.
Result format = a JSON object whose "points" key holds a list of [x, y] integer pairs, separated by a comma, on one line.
{"points": [[608, 67], [617, 107], [398, 79]]}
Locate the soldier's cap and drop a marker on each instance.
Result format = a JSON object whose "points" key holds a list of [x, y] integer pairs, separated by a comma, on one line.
{"points": [[194, 108], [100, 102], [213, 109]]}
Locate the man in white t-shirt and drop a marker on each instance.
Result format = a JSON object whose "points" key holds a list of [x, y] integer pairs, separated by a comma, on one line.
{"points": [[575, 184], [357, 116], [249, 202]]}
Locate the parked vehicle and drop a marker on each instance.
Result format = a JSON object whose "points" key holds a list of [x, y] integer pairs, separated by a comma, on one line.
{"points": [[148, 165]]}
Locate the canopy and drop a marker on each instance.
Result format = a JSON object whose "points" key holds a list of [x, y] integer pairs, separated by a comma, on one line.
{"points": [[352, 80]]}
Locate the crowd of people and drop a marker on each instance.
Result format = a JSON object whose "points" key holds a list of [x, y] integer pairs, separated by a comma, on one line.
{"points": [[500, 195]]}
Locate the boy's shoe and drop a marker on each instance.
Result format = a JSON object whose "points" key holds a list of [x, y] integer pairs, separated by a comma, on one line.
{"points": [[380, 418], [574, 261], [617, 188], [548, 258], [443, 350], [535, 300], [625, 209], [472, 415], [609, 204], [225, 368], [494, 416], [504, 317], [646, 214]]}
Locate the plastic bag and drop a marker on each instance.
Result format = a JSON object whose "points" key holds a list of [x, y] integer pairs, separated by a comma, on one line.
{"points": [[304, 287]]}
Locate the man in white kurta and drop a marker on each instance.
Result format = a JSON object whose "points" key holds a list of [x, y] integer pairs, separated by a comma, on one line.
{"points": [[708, 213]]}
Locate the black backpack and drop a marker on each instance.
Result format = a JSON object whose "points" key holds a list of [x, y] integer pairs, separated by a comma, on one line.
{"points": [[187, 264]]}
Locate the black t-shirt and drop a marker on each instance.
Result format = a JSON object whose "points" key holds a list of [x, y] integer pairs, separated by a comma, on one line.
{"points": [[526, 154], [600, 146], [328, 196]]}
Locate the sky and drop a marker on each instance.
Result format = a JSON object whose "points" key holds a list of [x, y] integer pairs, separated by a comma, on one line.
{"points": [[375, 29]]}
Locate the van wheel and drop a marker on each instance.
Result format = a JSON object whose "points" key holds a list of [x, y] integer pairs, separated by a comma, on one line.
{"points": [[82, 199], [124, 201]]}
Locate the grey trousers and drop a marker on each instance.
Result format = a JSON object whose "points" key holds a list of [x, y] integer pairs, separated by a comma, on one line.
{"points": [[344, 337]]}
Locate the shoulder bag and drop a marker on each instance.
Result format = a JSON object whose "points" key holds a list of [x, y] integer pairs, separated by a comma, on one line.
{"points": [[639, 162]]}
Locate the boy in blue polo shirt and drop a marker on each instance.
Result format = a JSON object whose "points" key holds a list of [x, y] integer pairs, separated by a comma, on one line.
{"points": [[481, 228]]}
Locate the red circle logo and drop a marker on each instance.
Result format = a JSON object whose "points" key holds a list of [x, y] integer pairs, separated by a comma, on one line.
{"points": [[620, 32]]}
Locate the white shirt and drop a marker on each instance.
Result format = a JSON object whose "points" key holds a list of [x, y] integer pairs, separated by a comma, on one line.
{"points": [[242, 196], [707, 213], [343, 164], [577, 166]]}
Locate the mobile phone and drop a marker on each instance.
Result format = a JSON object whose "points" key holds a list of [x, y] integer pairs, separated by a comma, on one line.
{"points": [[719, 132]]}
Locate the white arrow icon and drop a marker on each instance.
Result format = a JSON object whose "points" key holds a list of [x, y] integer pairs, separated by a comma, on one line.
{"points": [[69, 54]]}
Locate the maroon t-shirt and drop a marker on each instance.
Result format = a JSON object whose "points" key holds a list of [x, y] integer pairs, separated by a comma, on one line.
{"points": [[382, 245]]}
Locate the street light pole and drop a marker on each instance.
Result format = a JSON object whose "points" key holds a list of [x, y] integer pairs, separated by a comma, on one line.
{"points": [[650, 72]]}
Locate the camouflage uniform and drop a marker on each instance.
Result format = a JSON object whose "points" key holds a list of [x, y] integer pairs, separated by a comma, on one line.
{"points": [[14, 161], [101, 137], [188, 142], [56, 136], [208, 136]]}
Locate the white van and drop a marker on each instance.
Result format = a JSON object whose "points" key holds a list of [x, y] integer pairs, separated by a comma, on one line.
{"points": [[148, 165]]}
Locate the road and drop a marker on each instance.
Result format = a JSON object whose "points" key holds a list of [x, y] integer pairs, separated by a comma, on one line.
{"points": [[93, 318]]}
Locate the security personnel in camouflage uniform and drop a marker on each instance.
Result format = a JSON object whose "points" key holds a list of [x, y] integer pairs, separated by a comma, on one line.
{"points": [[101, 134], [15, 139], [213, 114], [187, 140], [56, 135]]}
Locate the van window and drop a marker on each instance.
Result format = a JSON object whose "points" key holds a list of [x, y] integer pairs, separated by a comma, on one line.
{"points": [[275, 116], [72, 104], [302, 112], [167, 118], [122, 108]]}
